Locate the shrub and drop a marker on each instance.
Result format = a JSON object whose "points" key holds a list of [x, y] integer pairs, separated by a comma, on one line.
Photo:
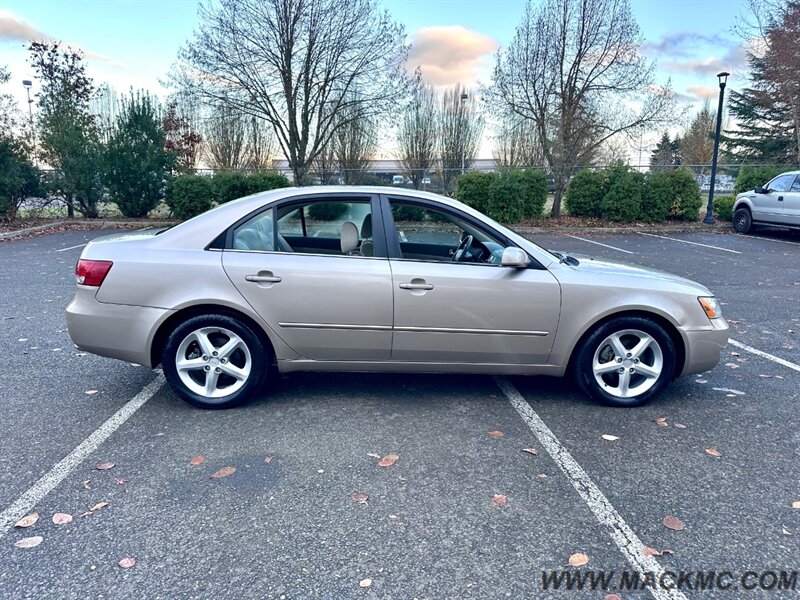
{"points": [[535, 182], [230, 185], [623, 200], [189, 195], [267, 180], [657, 197], [19, 178], [752, 177], [507, 196], [407, 212], [686, 199], [723, 206], [585, 192], [473, 188], [326, 211]]}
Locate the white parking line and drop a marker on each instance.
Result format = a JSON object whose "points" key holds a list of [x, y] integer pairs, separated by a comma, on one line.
{"points": [[72, 247], [627, 541], [758, 237], [56, 475], [599, 244], [664, 237], [762, 354]]}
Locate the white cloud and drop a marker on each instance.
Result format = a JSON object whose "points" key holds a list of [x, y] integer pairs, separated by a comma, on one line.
{"points": [[450, 55]]}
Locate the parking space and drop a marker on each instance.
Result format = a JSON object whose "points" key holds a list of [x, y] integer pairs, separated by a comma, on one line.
{"points": [[285, 524]]}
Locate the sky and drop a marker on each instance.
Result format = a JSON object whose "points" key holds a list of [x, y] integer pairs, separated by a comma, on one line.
{"points": [[133, 43]]}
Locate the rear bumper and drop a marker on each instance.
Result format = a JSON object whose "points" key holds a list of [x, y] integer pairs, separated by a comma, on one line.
{"points": [[113, 330], [703, 346]]}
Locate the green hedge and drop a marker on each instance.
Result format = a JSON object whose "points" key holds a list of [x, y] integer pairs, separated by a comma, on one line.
{"points": [[507, 196], [686, 199], [623, 200], [190, 195], [473, 189], [535, 182], [752, 177], [230, 185], [585, 193], [326, 211], [723, 207], [657, 197]]}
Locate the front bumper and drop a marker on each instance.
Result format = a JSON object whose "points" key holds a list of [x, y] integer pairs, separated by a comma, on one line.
{"points": [[703, 346], [113, 330]]}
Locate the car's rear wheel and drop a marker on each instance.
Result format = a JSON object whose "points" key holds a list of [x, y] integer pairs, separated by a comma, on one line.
{"points": [[742, 220], [627, 361], [214, 361]]}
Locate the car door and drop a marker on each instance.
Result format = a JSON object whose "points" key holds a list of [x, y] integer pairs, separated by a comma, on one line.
{"points": [[791, 205], [474, 311], [327, 301], [769, 206]]}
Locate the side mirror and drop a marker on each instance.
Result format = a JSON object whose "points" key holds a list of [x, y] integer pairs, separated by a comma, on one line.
{"points": [[515, 257], [761, 190]]}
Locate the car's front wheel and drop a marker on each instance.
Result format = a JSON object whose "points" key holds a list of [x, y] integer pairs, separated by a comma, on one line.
{"points": [[627, 361], [742, 220], [214, 361]]}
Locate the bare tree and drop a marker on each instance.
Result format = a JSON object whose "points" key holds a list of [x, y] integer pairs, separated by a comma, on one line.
{"points": [[460, 128], [260, 144], [226, 138], [294, 63], [418, 134], [355, 142], [517, 143], [324, 164], [574, 69]]}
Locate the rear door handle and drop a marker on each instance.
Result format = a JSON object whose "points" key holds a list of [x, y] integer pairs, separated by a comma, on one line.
{"points": [[780, 198], [263, 278], [416, 286]]}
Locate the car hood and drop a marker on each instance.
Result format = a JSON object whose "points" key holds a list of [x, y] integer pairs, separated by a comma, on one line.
{"points": [[594, 266]]}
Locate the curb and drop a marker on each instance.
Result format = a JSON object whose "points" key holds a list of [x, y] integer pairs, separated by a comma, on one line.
{"points": [[84, 222]]}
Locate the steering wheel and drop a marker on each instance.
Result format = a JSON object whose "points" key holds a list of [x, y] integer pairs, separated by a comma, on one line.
{"points": [[462, 248]]}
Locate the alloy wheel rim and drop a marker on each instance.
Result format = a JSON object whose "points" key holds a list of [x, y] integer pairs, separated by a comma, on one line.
{"points": [[213, 362], [628, 363]]}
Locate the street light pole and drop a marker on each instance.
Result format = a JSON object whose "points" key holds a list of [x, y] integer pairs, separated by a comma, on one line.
{"points": [[462, 133], [709, 218], [27, 83]]}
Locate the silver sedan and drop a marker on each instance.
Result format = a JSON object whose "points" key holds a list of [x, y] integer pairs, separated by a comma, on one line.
{"points": [[382, 280]]}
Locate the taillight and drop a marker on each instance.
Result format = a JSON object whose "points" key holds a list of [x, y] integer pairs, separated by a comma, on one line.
{"points": [[92, 272]]}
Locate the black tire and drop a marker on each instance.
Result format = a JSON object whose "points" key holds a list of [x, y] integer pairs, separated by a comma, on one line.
{"points": [[583, 360], [742, 220], [254, 350]]}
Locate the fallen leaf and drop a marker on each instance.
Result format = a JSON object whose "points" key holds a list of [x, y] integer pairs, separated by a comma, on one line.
{"points": [[534, 451], [679, 426], [88, 513], [732, 365], [267, 459], [27, 521], [713, 452], [365, 583], [197, 460], [662, 421], [611, 597], [786, 531], [62, 518], [496, 434], [578, 559], [609, 438], [224, 472], [121, 481], [127, 563], [105, 466], [673, 523], [86, 485], [542, 476], [29, 542], [500, 500], [701, 381], [795, 505], [320, 471], [373, 455], [735, 354], [90, 392], [765, 376], [98, 506], [359, 498], [388, 460]]}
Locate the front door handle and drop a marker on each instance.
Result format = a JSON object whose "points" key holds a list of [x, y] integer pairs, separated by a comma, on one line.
{"points": [[263, 278], [780, 198], [416, 286]]}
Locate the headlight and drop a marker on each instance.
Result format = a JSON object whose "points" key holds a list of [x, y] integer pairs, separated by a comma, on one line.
{"points": [[711, 306]]}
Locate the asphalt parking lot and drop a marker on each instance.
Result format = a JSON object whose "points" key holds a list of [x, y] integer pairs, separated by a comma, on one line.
{"points": [[284, 525]]}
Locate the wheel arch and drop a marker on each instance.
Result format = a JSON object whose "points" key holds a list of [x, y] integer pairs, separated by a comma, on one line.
{"points": [[672, 330], [197, 310]]}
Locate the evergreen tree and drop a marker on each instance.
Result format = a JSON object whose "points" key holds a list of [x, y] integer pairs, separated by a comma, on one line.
{"points": [[666, 155]]}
